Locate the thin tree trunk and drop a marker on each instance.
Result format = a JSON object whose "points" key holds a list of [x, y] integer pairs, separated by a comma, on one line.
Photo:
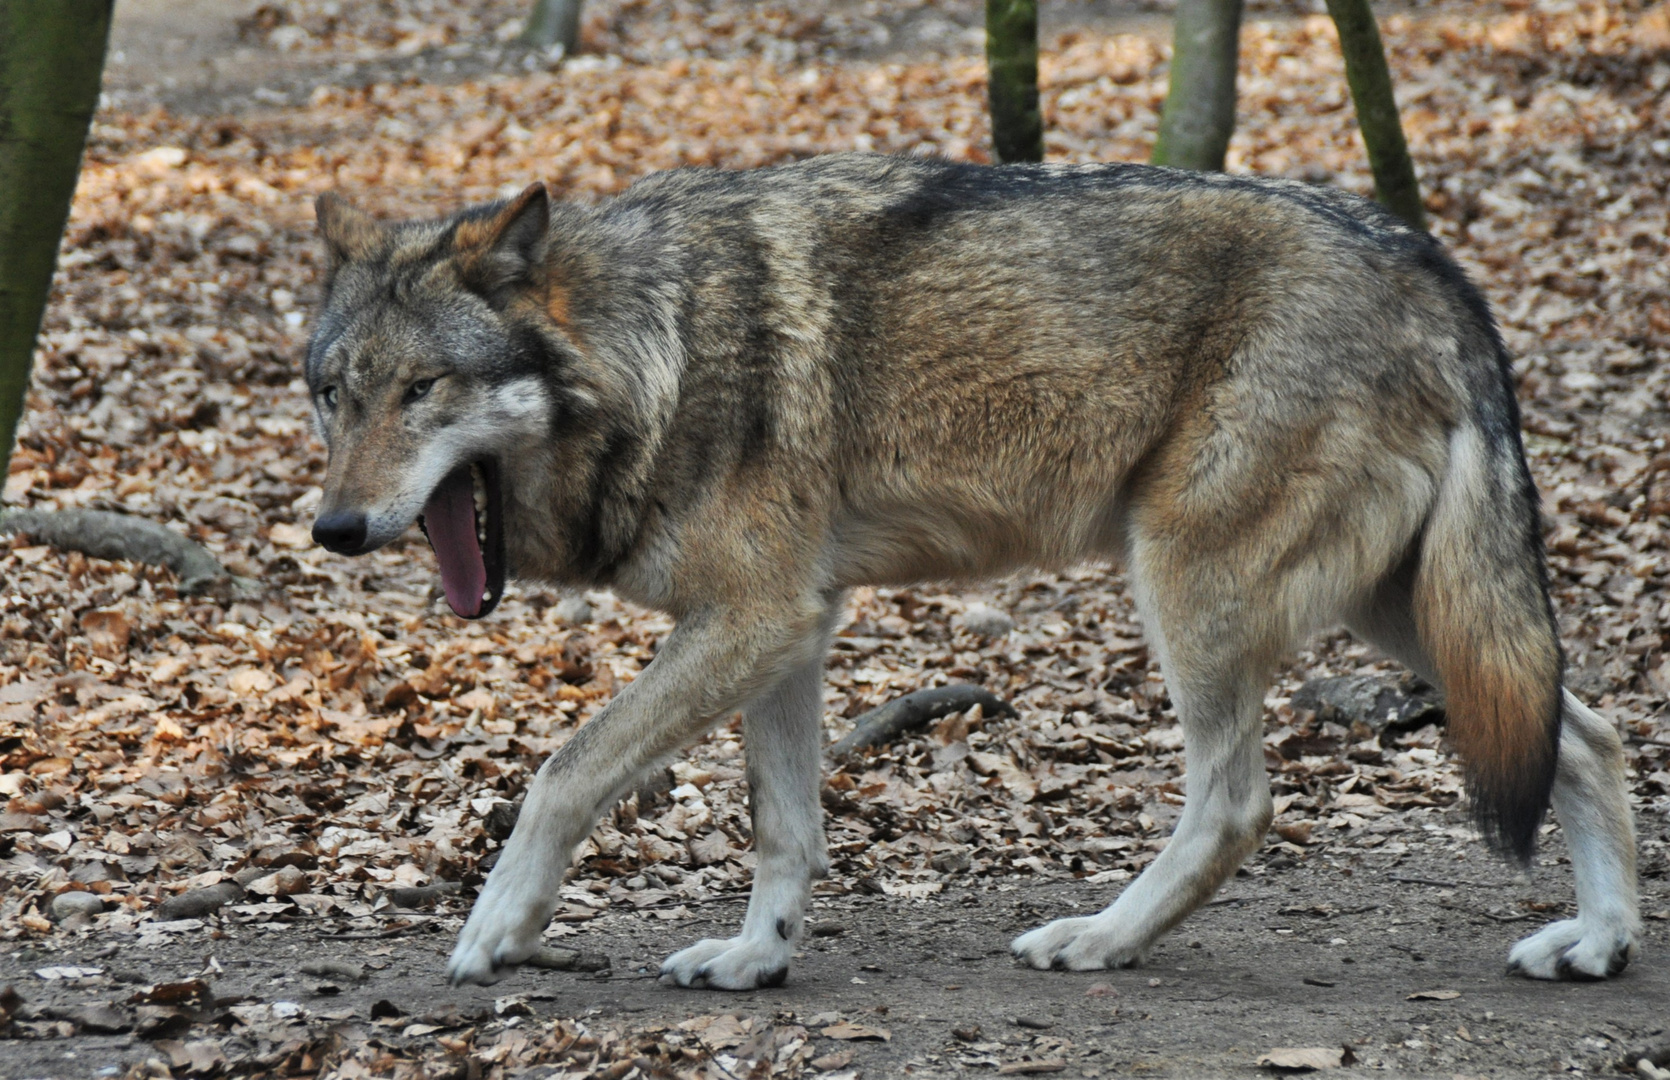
{"points": [[1012, 79], [51, 59], [1199, 114], [554, 22], [1371, 89]]}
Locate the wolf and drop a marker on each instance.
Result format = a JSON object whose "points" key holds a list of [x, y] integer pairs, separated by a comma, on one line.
{"points": [[734, 395]]}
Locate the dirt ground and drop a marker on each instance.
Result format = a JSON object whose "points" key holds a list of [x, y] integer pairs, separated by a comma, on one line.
{"points": [[1327, 953], [1373, 921]]}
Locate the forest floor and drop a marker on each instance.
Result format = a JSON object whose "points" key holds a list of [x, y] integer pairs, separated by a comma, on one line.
{"points": [[318, 743]]}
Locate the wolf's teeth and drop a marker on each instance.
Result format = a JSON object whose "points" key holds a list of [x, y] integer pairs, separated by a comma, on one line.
{"points": [[478, 489]]}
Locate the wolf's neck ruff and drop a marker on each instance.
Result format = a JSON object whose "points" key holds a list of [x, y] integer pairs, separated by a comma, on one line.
{"points": [[449, 517]]}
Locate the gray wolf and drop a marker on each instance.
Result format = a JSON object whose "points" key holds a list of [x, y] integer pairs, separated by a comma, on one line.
{"points": [[731, 396]]}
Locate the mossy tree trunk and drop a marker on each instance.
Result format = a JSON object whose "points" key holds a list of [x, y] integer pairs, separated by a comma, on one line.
{"points": [[1371, 90], [1012, 79], [51, 60], [554, 22], [1199, 113]]}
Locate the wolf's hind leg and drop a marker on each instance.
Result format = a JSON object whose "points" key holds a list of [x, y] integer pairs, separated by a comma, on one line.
{"points": [[1589, 802], [1593, 811], [782, 733], [1219, 698]]}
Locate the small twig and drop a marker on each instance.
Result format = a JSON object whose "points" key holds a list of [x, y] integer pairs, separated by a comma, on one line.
{"points": [[713, 1057], [284, 920], [672, 902], [393, 931], [887, 722], [1434, 882]]}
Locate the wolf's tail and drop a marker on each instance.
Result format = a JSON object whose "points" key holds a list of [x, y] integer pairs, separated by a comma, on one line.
{"points": [[1482, 613]]}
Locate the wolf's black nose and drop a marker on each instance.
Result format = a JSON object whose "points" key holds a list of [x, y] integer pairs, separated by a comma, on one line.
{"points": [[342, 532]]}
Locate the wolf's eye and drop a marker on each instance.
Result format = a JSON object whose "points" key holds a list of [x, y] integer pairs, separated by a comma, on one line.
{"points": [[418, 389], [328, 395]]}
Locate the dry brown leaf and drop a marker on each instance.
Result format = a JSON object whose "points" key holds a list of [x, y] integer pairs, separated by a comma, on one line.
{"points": [[165, 387], [107, 632]]}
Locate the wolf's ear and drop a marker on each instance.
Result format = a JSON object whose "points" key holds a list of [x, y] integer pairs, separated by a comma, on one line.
{"points": [[350, 233], [508, 247]]}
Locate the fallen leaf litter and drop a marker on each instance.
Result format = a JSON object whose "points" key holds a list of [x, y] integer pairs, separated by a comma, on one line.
{"points": [[316, 756]]}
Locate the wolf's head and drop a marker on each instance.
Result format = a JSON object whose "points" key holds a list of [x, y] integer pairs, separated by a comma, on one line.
{"points": [[427, 384]]}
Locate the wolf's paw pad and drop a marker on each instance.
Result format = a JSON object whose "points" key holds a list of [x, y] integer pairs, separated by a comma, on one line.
{"points": [[731, 964], [1570, 950], [490, 947], [1086, 944]]}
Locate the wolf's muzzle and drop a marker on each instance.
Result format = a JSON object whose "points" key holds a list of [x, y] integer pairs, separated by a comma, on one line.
{"points": [[342, 532]]}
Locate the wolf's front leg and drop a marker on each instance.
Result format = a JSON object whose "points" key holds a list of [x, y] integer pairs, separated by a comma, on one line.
{"points": [[782, 736], [706, 667]]}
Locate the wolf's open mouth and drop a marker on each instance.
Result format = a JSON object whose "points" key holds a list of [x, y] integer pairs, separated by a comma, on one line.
{"points": [[464, 520]]}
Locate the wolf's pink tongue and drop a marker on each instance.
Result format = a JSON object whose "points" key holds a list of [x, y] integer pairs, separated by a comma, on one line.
{"points": [[449, 518]]}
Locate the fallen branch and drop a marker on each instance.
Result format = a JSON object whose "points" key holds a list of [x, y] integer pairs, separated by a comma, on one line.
{"points": [[1397, 706], [887, 722], [105, 535]]}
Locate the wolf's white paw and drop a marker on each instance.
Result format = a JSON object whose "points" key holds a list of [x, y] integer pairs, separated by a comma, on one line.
{"points": [[503, 930], [1087, 944], [737, 963], [1571, 950]]}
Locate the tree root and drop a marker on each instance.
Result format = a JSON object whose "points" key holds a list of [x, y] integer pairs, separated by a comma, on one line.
{"points": [[912, 712], [106, 535]]}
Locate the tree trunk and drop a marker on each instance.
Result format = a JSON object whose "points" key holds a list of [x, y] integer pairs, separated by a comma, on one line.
{"points": [[554, 22], [1199, 114], [51, 59], [1012, 79], [1371, 89]]}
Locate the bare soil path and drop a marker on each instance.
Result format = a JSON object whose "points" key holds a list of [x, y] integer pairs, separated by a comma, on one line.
{"points": [[1289, 956]]}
